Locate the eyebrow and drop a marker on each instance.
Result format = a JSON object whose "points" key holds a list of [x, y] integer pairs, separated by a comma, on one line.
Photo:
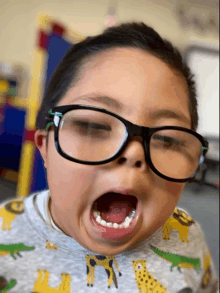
{"points": [[167, 113], [103, 99], [153, 115]]}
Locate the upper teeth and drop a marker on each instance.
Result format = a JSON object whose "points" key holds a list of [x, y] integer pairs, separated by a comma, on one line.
{"points": [[132, 214], [125, 224]]}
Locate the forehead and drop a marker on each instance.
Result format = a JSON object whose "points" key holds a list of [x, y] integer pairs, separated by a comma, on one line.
{"points": [[138, 82]]}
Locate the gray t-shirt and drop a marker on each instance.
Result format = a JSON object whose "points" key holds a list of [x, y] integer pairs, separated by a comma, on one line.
{"points": [[35, 256]]}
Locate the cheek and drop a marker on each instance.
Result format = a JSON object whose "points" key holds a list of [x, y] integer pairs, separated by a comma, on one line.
{"points": [[169, 197], [174, 189], [168, 188], [165, 197], [162, 204], [66, 177]]}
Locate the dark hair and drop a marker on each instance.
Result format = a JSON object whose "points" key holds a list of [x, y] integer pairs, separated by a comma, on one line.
{"points": [[133, 35]]}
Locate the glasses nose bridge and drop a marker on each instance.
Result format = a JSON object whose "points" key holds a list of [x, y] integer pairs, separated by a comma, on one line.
{"points": [[142, 131]]}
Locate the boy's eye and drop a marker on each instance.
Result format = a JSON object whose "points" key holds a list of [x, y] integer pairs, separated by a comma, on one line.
{"points": [[93, 126], [168, 141], [90, 129]]}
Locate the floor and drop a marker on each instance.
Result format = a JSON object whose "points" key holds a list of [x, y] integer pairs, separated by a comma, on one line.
{"points": [[202, 205]]}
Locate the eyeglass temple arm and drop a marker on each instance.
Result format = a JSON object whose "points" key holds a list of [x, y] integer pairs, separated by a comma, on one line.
{"points": [[204, 150], [51, 116], [206, 147]]}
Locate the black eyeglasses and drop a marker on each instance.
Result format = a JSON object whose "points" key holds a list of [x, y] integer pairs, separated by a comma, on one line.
{"points": [[93, 136]]}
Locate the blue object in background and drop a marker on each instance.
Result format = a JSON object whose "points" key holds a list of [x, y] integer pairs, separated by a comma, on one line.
{"points": [[56, 50], [39, 180], [11, 137], [12, 128]]}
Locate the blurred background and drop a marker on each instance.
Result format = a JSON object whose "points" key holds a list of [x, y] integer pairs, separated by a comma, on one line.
{"points": [[36, 34]]}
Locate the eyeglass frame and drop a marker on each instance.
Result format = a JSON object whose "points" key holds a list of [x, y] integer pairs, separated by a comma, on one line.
{"points": [[56, 113]]}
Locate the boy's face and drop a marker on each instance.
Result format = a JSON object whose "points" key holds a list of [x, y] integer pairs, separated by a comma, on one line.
{"points": [[142, 84]]}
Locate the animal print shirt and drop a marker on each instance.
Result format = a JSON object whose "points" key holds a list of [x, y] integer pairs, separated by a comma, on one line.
{"points": [[35, 256]]}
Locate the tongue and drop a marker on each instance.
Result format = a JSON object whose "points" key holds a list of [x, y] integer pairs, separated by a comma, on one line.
{"points": [[117, 212]]}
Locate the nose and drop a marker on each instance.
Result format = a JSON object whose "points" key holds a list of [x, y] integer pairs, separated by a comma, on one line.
{"points": [[134, 154]]}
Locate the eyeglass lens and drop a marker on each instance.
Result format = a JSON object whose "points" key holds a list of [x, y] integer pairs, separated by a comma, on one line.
{"points": [[175, 153], [93, 136]]}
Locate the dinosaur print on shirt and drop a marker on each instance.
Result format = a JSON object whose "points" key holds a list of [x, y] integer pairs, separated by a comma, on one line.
{"points": [[13, 249], [6, 286], [178, 260]]}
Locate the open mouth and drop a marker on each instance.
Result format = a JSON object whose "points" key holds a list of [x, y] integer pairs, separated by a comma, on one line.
{"points": [[115, 210], [116, 214]]}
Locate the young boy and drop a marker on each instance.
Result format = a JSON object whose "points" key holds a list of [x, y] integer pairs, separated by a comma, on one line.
{"points": [[116, 131]]}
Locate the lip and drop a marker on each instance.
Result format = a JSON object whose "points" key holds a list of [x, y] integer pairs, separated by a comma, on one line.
{"points": [[112, 234], [124, 191]]}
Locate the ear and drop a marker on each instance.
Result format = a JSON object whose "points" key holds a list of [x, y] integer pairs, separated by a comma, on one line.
{"points": [[40, 138]]}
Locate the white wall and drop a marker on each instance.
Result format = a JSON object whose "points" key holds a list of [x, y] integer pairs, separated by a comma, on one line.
{"points": [[19, 18], [205, 66], [18, 22]]}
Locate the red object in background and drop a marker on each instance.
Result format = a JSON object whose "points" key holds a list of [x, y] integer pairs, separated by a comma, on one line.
{"points": [[58, 30], [43, 41], [29, 135]]}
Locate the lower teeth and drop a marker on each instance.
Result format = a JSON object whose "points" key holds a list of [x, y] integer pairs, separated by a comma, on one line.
{"points": [[125, 224]]}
